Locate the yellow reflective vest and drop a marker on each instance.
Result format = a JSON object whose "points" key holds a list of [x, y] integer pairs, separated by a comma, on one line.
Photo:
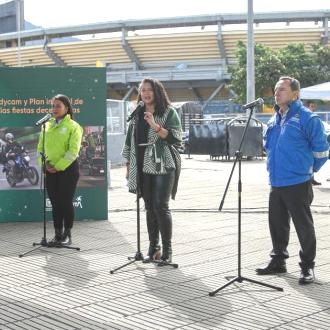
{"points": [[62, 142]]}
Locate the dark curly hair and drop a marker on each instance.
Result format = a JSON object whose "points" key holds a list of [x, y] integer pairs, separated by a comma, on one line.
{"points": [[66, 101], [161, 98]]}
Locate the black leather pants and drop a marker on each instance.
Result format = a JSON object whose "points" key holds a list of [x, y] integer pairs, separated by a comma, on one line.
{"points": [[156, 192]]}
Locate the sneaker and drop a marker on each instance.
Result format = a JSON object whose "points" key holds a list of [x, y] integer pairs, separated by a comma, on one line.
{"points": [[307, 276]]}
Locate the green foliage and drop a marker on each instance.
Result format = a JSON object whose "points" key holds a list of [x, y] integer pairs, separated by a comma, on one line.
{"points": [[238, 73], [292, 60], [322, 58], [298, 64], [268, 69]]}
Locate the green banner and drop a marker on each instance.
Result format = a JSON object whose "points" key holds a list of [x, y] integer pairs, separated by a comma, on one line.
{"points": [[25, 97]]}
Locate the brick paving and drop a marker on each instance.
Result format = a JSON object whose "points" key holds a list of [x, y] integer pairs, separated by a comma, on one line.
{"points": [[65, 289]]}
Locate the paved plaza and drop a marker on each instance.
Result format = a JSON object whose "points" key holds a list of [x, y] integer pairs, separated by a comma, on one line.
{"points": [[65, 289]]}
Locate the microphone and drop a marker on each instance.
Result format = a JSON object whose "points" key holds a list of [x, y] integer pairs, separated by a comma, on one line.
{"points": [[43, 119], [138, 107], [252, 104]]}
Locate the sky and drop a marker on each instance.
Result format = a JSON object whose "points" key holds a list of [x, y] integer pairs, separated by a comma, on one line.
{"points": [[55, 13]]}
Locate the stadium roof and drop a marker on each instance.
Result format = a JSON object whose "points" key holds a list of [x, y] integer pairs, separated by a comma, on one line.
{"points": [[158, 23], [192, 64]]}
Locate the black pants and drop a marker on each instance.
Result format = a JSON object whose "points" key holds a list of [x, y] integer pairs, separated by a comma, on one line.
{"points": [[292, 201], [156, 192], [61, 187]]}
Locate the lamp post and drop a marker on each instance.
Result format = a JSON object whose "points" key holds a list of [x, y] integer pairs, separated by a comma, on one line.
{"points": [[19, 6], [250, 76]]}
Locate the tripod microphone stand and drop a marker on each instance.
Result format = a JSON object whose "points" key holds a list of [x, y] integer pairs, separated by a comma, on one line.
{"points": [[138, 254], [43, 242], [239, 278]]}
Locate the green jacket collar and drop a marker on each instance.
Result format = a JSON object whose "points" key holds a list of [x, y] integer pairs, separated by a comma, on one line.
{"points": [[65, 119]]}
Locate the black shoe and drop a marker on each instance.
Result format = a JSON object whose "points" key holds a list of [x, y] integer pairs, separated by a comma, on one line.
{"points": [[275, 266], [57, 239], [307, 274], [66, 237], [316, 183]]}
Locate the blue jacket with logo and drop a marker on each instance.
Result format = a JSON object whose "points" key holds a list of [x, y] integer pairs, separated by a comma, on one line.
{"points": [[297, 148]]}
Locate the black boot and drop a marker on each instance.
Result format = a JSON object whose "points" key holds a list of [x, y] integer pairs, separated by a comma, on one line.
{"points": [[165, 226], [57, 239], [66, 237], [166, 257], [153, 232]]}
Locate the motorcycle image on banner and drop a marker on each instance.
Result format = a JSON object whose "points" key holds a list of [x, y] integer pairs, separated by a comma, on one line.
{"points": [[17, 169], [16, 162]]}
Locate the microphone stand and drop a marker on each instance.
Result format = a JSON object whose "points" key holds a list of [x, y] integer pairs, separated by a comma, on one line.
{"points": [[239, 278], [43, 242], [138, 254]]}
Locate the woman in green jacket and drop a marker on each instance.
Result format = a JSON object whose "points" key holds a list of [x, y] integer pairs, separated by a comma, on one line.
{"points": [[62, 144], [156, 163]]}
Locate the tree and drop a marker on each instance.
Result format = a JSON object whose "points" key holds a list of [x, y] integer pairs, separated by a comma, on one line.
{"points": [[268, 69], [299, 64], [322, 59], [292, 60]]}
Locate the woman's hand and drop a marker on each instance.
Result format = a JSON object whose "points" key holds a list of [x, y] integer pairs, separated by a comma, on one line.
{"points": [[149, 118], [161, 131], [50, 168]]}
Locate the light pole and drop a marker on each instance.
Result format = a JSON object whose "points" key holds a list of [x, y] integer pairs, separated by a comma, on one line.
{"points": [[19, 6], [250, 77]]}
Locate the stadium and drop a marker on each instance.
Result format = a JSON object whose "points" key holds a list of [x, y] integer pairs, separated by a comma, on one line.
{"points": [[98, 278], [190, 55]]}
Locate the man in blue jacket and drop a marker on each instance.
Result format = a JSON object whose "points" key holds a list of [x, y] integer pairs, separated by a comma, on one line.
{"points": [[296, 146]]}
